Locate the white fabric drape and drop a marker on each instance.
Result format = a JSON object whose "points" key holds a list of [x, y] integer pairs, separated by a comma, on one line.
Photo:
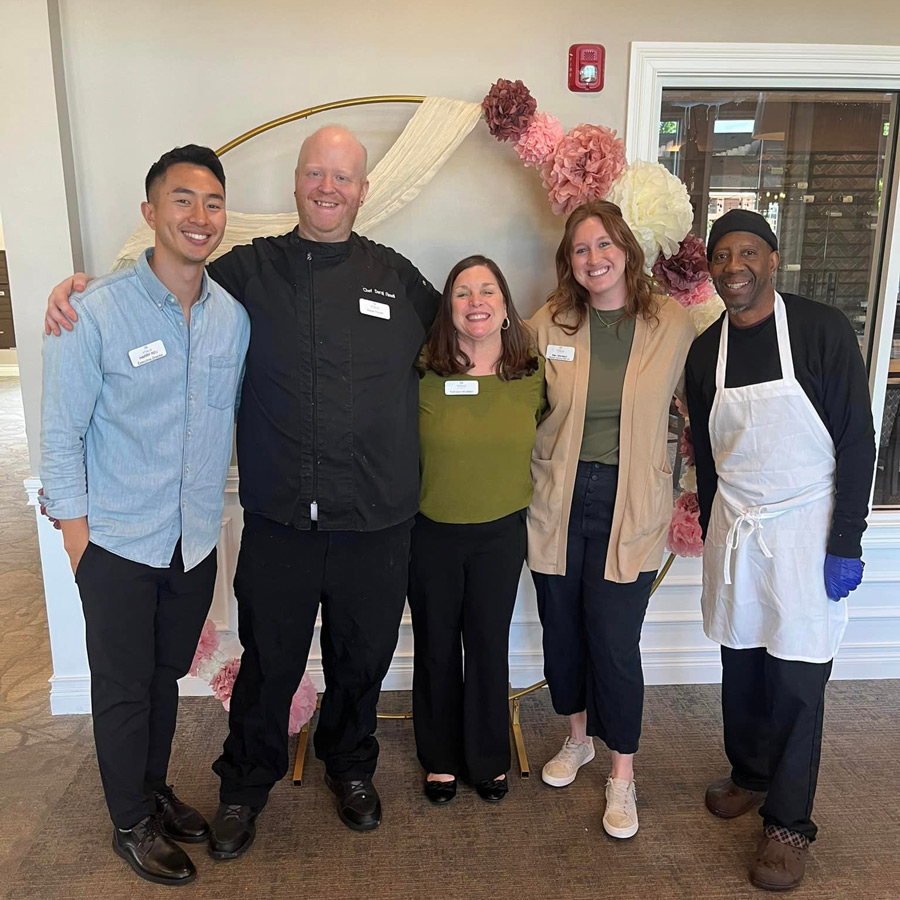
{"points": [[431, 136]]}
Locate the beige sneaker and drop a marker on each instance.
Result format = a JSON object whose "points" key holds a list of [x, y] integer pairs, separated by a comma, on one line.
{"points": [[562, 769], [620, 819]]}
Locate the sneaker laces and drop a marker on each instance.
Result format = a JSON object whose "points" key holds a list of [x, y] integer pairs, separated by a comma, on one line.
{"points": [[571, 751], [618, 799]]}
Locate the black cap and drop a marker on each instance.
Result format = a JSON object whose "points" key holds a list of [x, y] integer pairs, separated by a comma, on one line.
{"points": [[740, 220]]}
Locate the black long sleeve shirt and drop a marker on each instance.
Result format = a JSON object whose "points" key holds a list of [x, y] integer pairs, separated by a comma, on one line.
{"points": [[329, 404], [829, 368]]}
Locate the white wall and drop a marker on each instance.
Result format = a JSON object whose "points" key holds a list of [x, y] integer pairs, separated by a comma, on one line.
{"points": [[143, 77]]}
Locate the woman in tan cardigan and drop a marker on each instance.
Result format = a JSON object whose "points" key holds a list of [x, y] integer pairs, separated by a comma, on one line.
{"points": [[602, 489]]}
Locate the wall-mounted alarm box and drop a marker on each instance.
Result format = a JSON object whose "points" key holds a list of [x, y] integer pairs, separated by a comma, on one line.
{"points": [[586, 63]]}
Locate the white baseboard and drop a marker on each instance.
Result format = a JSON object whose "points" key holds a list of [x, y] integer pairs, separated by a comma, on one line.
{"points": [[70, 695], [9, 370]]}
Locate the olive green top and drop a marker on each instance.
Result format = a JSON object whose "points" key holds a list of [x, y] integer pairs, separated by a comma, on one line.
{"points": [[610, 347], [475, 448]]}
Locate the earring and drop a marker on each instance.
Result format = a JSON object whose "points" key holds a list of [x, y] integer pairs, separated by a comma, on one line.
{"points": [[505, 324]]}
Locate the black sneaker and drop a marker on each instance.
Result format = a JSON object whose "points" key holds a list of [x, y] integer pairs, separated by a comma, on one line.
{"points": [[358, 803], [151, 854], [180, 822], [232, 830]]}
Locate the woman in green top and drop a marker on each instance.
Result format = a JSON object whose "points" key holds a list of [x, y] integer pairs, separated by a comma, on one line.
{"points": [[480, 398]]}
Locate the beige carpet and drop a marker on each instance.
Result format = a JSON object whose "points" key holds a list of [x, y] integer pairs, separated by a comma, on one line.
{"points": [[539, 843]]}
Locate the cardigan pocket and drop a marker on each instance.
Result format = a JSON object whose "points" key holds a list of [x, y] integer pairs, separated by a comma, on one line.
{"points": [[656, 508]]}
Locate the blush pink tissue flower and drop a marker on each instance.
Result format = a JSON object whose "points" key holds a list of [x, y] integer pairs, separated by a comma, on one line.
{"points": [[222, 683], [685, 537], [303, 705], [586, 163], [540, 140], [206, 646]]}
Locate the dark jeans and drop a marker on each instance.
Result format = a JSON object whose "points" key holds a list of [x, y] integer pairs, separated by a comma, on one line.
{"points": [[282, 576], [462, 589], [772, 711], [142, 626], [592, 627]]}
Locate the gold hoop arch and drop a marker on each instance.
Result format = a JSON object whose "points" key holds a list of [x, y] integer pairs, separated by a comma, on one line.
{"points": [[315, 110]]}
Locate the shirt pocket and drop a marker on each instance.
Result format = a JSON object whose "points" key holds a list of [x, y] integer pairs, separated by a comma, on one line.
{"points": [[223, 378]]}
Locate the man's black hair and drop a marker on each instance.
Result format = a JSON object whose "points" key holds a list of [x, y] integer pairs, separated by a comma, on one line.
{"points": [[189, 153]]}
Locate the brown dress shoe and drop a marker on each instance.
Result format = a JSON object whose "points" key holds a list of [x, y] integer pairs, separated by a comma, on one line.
{"points": [[777, 867], [728, 801]]}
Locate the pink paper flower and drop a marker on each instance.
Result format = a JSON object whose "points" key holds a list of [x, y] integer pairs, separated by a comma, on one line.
{"points": [[686, 446], [222, 683], [508, 109], [206, 646], [303, 705], [540, 140], [586, 163], [685, 537], [685, 276]]}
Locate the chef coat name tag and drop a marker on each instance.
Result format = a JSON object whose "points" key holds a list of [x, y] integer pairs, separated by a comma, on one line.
{"points": [[561, 352], [460, 388], [374, 308], [148, 353]]}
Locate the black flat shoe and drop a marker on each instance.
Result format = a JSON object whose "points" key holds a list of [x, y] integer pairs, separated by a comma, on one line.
{"points": [[493, 790], [358, 803], [180, 822], [440, 791], [232, 830], [152, 855]]}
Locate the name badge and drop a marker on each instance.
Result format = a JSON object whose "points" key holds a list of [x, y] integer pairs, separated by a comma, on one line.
{"points": [[460, 388], [148, 353], [374, 308], [559, 351]]}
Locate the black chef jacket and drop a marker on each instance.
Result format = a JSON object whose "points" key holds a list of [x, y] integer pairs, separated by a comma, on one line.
{"points": [[329, 404]]}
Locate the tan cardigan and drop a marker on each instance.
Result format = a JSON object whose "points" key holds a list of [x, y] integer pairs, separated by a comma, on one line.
{"points": [[643, 507]]}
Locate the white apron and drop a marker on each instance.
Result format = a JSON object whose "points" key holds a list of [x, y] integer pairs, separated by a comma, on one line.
{"points": [[764, 556]]}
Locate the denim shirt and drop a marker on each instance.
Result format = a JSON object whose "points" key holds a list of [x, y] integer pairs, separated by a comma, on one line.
{"points": [[138, 413]]}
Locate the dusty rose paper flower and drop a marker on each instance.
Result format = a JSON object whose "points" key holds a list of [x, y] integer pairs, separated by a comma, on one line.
{"points": [[508, 109], [303, 705], [686, 446], [685, 537], [222, 683], [656, 206], [540, 140], [685, 276], [586, 163], [206, 646]]}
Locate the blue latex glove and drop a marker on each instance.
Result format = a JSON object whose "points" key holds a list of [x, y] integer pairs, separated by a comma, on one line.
{"points": [[842, 576]]}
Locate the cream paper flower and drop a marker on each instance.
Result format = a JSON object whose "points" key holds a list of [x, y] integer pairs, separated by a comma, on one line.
{"points": [[705, 314], [656, 206], [688, 480]]}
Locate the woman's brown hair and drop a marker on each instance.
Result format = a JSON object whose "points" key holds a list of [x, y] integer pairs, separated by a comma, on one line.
{"points": [[570, 299], [442, 353]]}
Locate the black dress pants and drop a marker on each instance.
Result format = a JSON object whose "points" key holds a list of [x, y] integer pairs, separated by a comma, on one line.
{"points": [[772, 711], [142, 627], [283, 574], [462, 589], [592, 627]]}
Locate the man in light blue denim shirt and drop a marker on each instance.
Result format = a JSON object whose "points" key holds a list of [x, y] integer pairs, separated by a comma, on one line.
{"points": [[137, 419]]}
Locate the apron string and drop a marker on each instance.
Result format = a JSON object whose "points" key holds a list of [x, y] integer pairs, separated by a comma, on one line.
{"points": [[753, 518]]}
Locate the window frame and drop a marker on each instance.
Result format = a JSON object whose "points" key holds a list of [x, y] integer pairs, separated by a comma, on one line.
{"points": [[657, 65]]}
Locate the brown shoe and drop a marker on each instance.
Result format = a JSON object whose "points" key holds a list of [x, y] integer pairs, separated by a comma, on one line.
{"points": [[728, 801], [777, 867]]}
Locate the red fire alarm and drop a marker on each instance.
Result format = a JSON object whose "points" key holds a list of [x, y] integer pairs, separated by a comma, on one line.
{"points": [[586, 63]]}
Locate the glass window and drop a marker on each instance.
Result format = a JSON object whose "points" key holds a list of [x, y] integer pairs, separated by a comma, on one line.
{"points": [[817, 166]]}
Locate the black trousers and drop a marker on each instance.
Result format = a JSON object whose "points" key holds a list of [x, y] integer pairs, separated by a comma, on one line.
{"points": [[142, 627], [772, 711], [282, 576], [462, 589], [592, 627]]}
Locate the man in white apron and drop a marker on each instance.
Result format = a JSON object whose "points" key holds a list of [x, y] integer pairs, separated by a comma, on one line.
{"points": [[785, 452]]}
